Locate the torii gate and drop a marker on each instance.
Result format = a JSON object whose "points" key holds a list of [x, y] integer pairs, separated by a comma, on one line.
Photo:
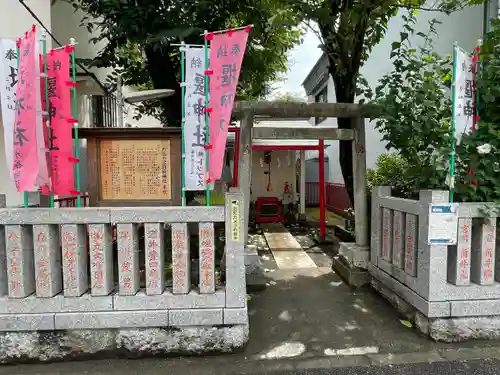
{"points": [[246, 110]]}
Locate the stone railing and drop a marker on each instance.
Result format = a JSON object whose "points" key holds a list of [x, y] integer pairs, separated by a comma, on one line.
{"points": [[449, 286], [61, 270]]}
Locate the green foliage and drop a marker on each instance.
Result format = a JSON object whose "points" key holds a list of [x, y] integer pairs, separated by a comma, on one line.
{"points": [[416, 121], [416, 108], [391, 169], [478, 167], [349, 31], [140, 34]]}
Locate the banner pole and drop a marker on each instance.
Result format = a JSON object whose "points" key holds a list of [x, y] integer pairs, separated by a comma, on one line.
{"points": [[452, 130], [183, 121], [207, 127], [47, 124], [477, 70], [76, 143], [25, 193], [226, 30]]}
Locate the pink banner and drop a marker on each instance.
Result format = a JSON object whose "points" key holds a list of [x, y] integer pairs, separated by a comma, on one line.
{"points": [[226, 56], [25, 166], [60, 139], [44, 189]]}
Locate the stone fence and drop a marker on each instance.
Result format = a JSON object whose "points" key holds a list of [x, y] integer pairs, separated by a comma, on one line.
{"points": [[67, 288], [451, 292]]}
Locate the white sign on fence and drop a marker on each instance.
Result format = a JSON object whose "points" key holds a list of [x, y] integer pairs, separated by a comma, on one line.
{"points": [[8, 85], [194, 120], [443, 224], [463, 100]]}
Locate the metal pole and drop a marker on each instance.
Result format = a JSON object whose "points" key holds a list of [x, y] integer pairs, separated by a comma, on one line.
{"points": [[47, 106], [452, 131], [236, 160], [207, 127], [119, 99], [76, 143], [25, 194], [225, 30], [183, 93]]}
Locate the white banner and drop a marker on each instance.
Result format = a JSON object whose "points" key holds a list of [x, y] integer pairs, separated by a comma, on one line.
{"points": [[8, 80], [43, 172], [194, 120], [463, 101]]}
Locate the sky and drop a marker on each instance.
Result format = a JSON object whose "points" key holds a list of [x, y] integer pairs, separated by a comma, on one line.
{"points": [[301, 60]]}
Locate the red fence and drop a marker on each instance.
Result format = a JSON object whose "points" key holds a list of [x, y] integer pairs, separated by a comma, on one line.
{"points": [[71, 201], [337, 199]]}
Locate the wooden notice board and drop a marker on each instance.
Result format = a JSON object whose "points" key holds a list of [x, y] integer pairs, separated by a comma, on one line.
{"points": [[138, 169]]}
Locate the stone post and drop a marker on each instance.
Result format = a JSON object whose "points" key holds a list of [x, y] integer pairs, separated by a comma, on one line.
{"points": [[74, 260], [128, 258], [360, 192], [20, 260], [432, 260], [154, 240], [376, 222], [235, 255], [48, 262], [245, 167]]}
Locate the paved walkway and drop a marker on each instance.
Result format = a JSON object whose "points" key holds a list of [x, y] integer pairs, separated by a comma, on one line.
{"points": [[287, 252], [307, 320]]}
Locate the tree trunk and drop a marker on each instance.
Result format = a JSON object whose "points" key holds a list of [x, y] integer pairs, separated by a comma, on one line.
{"points": [[164, 76], [345, 159], [345, 88]]}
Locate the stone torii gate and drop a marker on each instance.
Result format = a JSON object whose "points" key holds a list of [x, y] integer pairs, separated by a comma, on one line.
{"points": [[355, 255]]}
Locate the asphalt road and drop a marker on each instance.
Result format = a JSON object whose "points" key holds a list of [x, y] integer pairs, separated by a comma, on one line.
{"points": [[146, 367], [475, 367]]}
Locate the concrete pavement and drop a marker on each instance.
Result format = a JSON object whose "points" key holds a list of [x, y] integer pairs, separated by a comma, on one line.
{"points": [[309, 322], [483, 361]]}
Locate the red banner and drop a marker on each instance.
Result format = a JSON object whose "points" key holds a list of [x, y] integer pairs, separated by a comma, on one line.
{"points": [[60, 139], [226, 55], [25, 165]]}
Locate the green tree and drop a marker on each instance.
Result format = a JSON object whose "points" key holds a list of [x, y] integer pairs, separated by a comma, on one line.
{"points": [[416, 119], [478, 154], [416, 107], [349, 30], [391, 169], [140, 34]]}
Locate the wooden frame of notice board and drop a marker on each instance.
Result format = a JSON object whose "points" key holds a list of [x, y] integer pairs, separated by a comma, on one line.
{"points": [[133, 166]]}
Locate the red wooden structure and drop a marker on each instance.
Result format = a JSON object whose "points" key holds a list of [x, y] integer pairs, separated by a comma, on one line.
{"points": [[321, 151]]}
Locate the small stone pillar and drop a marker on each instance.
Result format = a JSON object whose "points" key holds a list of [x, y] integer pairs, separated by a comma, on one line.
{"points": [[245, 167]]}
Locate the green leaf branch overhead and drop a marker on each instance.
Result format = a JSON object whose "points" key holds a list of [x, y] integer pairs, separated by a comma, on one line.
{"points": [[349, 30], [416, 122], [140, 34]]}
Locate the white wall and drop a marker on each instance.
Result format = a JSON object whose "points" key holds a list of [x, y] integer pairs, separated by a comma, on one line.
{"points": [[66, 25], [15, 19], [464, 27], [14, 22], [279, 174]]}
